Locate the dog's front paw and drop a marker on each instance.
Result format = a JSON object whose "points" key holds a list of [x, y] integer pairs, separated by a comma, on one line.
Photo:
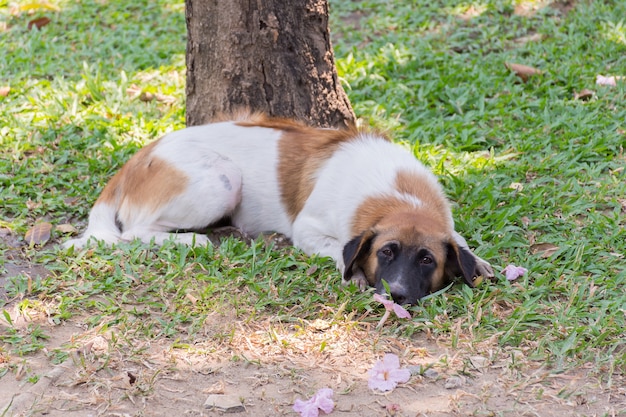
{"points": [[484, 270], [359, 279]]}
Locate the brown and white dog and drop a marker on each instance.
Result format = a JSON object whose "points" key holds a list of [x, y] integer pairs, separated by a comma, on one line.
{"points": [[350, 195]]}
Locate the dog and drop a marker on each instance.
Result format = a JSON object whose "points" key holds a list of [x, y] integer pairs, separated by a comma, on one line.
{"points": [[348, 194]]}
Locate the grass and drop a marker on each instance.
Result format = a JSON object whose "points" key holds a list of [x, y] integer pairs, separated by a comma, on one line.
{"points": [[529, 166]]}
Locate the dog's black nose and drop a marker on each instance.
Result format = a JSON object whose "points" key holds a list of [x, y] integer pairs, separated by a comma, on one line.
{"points": [[399, 297]]}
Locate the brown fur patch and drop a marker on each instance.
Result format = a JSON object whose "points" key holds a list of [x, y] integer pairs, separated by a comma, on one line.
{"points": [[434, 205], [145, 181], [302, 151], [421, 188]]}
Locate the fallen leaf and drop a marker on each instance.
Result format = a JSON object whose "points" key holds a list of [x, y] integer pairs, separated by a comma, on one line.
{"points": [[38, 23], [66, 228], [146, 96], [133, 91], [31, 205], [479, 362], [522, 71], [71, 201], [583, 95], [191, 298], [217, 388], [530, 38], [545, 250], [163, 98], [4, 91], [38, 234]]}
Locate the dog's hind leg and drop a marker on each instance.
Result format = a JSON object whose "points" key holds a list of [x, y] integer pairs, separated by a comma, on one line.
{"points": [[212, 191]]}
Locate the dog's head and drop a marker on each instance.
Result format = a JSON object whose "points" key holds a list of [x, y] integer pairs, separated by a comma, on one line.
{"points": [[413, 253]]}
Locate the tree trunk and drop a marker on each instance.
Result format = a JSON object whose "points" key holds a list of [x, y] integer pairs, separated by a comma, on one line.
{"points": [[273, 56]]}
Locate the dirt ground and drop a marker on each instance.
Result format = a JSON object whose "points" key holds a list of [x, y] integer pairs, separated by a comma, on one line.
{"points": [[260, 368]]}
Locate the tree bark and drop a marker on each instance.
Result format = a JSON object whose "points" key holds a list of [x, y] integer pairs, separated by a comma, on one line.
{"points": [[273, 56]]}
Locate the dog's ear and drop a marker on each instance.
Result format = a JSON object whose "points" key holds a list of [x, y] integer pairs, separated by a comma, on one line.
{"points": [[355, 251], [460, 262]]}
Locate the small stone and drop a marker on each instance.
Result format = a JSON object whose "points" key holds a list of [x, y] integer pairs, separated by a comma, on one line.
{"points": [[419, 370], [479, 362], [415, 370], [454, 382], [431, 373], [225, 403]]}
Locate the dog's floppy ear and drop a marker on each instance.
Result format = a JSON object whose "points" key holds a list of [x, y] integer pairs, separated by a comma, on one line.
{"points": [[460, 262], [354, 251]]}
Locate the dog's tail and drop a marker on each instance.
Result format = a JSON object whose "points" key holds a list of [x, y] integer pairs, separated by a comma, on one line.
{"points": [[102, 226]]}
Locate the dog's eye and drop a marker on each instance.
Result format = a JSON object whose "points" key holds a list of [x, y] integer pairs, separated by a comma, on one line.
{"points": [[426, 260], [387, 252]]}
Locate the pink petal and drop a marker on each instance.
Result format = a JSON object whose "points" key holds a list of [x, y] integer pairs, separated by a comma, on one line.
{"points": [[383, 299], [513, 272], [321, 400], [306, 408], [386, 373], [381, 384], [324, 401], [400, 375], [401, 312], [602, 80], [391, 361]]}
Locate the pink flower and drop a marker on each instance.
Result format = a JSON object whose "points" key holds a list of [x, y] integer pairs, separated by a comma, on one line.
{"points": [[386, 373], [322, 400], [513, 272], [389, 307], [611, 80]]}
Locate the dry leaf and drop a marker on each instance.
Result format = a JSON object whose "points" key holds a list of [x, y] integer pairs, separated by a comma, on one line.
{"points": [[31, 205], [163, 98], [217, 388], [522, 71], [4, 91], [583, 95], [312, 269], [146, 96], [191, 298], [66, 228], [71, 201], [479, 362], [133, 91], [545, 250], [39, 233], [38, 23], [530, 38]]}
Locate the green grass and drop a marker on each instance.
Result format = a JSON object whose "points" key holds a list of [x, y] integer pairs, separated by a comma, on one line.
{"points": [[525, 163]]}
